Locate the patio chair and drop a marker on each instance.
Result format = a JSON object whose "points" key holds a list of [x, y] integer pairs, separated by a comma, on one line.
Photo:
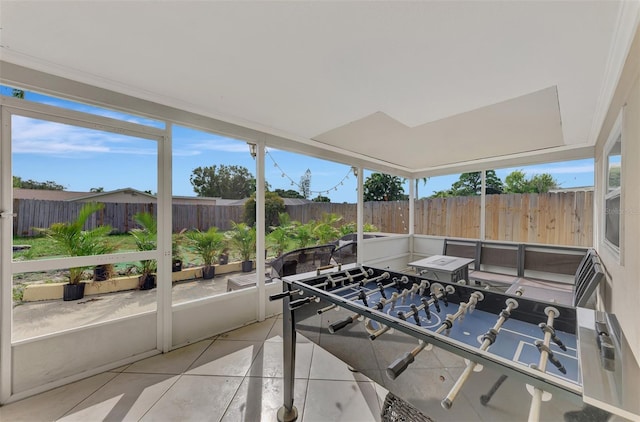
{"points": [[301, 260], [346, 254]]}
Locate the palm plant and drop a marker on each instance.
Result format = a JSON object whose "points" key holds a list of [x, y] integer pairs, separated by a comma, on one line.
{"points": [[325, 231], [303, 234], [243, 239], [280, 236], [74, 241], [177, 240], [146, 240], [207, 244]]}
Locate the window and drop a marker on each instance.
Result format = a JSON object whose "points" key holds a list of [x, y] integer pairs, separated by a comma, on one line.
{"points": [[612, 192]]}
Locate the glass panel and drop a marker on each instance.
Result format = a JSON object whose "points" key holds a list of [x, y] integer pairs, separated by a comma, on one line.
{"points": [[85, 108], [78, 192], [614, 165], [59, 169], [40, 306], [386, 202], [319, 200], [612, 220], [548, 203], [448, 207], [212, 178]]}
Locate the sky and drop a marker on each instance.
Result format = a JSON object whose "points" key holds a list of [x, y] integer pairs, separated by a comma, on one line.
{"points": [[81, 159]]}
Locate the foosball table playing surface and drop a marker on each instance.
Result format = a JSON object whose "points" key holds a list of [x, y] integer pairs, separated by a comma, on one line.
{"points": [[444, 350]]}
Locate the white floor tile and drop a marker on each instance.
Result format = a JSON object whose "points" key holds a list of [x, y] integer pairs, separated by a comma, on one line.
{"points": [[51, 405], [270, 363], [341, 401], [258, 399], [257, 331], [174, 362], [194, 398], [325, 366], [127, 397], [226, 358]]}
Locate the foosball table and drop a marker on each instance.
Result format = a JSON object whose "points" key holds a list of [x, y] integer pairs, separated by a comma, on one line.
{"points": [[452, 351]]}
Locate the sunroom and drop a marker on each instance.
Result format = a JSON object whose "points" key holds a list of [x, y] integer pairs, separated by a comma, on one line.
{"points": [[411, 89]]}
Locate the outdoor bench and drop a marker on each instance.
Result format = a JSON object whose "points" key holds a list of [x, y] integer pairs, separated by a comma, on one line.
{"points": [[545, 272]]}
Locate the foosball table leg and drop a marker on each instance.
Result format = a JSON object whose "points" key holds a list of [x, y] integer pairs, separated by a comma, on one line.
{"points": [[485, 398], [288, 411]]}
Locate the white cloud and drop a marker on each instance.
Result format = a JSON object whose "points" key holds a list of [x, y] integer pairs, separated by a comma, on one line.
{"points": [[32, 136]]}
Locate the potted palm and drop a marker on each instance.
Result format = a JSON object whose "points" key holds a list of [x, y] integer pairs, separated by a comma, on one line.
{"points": [[177, 259], [207, 244], [145, 238], [75, 241], [243, 239]]}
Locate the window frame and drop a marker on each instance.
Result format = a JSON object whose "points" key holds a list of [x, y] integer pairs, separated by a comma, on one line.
{"points": [[608, 194]]}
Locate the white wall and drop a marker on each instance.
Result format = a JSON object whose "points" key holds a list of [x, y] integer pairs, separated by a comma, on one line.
{"points": [[386, 252], [621, 294]]}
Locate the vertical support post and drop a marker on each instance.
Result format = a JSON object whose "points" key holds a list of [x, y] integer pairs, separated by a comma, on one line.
{"points": [[165, 230], [6, 234], [483, 203], [412, 213], [288, 411], [360, 212], [260, 231]]}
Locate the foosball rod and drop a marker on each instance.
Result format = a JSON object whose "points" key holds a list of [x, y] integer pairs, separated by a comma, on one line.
{"points": [[349, 277], [398, 366], [382, 276], [536, 400], [350, 298], [487, 341], [338, 325], [438, 295]]}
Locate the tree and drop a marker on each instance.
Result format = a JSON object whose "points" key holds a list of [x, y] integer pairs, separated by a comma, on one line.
{"points": [[470, 184], [441, 194], [273, 206], [424, 182], [32, 184], [383, 187], [100, 189], [305, 184], [321, 198], [229, 182], [516, 182], [17, 93], [542, 183], [289, 193]]}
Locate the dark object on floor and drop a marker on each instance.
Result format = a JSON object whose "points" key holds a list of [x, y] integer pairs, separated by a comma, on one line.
{"points": [[587, 414], [395, 409]]}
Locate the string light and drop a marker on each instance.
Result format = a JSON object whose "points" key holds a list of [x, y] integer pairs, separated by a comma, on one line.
{"points": [[294, 183]]}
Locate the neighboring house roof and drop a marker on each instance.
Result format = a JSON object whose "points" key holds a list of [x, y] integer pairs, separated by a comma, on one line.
{"points": [[296, 201], [97, 195], [62, 195], [576, 189], [47, 195]]}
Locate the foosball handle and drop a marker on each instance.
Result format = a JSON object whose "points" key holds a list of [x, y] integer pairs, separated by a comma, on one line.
{"points": [[398, 366], [298, 303], [339, 325], [282, 295]]}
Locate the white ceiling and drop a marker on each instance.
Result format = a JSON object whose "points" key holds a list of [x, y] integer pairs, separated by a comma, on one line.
{"points": [[413, 85]]}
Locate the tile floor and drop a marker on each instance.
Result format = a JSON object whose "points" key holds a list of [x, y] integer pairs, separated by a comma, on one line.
{"points": [[236, 376]]}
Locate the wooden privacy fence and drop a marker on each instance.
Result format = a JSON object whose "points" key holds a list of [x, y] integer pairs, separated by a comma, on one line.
{"points": [[564, 218], [31, 214]]}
